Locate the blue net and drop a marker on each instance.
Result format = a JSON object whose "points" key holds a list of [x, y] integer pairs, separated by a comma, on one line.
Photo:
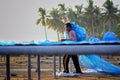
{"points": [[81, 32], [109, 36], [95, 62], [98, 64]]}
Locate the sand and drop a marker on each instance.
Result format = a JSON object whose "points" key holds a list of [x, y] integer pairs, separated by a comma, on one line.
{"points": [[19, 67]]}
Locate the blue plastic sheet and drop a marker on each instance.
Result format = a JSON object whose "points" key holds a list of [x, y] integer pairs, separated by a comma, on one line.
{"points": [[98, 64], [81, 32], [94, 61], [109, 36]]}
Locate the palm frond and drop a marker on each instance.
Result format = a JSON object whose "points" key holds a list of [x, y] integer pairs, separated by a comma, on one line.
{"points": [[38, 21]]}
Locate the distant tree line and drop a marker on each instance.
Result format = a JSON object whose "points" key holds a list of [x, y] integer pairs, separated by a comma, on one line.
{"points": [[94, 19]]}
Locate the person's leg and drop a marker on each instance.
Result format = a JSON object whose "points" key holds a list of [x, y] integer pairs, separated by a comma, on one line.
{"points": [[76, 63], [65, 63]]}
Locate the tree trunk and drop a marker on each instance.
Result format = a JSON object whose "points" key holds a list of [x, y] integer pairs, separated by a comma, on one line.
{"points": [[58, 36], [45, 32], [93, 32]]}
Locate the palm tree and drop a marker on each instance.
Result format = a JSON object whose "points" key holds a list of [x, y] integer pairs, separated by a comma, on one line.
{"points": [[54, 22], [62, 12], [89, 17], [71, 15], [42, 19], [97, 21], [79, 14], [110, 15], [118, 30]]}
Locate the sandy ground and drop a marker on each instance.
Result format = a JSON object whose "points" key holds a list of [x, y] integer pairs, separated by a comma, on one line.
{"points": [[19, 68]]}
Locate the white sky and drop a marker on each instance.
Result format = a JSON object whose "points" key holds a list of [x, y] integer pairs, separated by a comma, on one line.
{"points": [[18, 18]]}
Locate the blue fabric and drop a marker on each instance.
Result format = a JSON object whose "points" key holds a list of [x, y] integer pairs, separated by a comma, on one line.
{"points": [[94, 61], [109, 36], [81, 32], [98, 64]]}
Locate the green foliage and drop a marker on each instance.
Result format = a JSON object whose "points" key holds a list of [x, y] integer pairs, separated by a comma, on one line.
{"points": [[42, 19], [96, 20], [38, 21], [54, 21], [110, 7], [118, 30]]}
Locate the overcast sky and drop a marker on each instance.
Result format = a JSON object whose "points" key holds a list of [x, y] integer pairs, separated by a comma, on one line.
{"points": [[18, 18]]}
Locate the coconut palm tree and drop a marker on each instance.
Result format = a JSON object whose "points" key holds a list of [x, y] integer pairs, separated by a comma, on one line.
{"points": [[110, 15], [54, 21], [89, 17], [62, 12], [71, 15], [117, 31], [79, 14], [97, 21], [42, 19]]}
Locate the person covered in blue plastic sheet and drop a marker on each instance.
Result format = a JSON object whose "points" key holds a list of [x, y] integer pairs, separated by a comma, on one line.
{"points": [[71, 36]]}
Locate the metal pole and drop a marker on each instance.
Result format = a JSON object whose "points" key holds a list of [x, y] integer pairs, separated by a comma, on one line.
{"points": [[8, 67], [59, 63], [54, 67], [70, 65], [29, 67], [38, 66], [63, 49], [0, 58]]}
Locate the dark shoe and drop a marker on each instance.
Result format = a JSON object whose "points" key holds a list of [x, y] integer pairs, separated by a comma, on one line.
{"points": [[79, 72], [36, 70], [66, 71]]}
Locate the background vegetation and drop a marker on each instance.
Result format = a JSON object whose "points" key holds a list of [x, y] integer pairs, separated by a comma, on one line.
{"points": [[94, 19]]}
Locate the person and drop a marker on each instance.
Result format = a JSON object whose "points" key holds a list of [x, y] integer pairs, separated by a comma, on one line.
{"points": [[71, 36]]}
